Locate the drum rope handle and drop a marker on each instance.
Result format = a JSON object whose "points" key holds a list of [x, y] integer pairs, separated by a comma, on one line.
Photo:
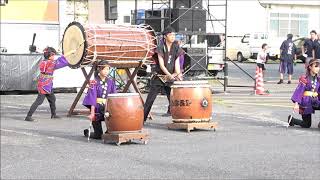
{"points": [[124, 30], [95, 42], [148, 46], [95, 46], [113, 38], [128, 40], [134, 38]]}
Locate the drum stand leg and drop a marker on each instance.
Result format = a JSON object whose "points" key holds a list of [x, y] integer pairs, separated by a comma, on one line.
{"points": [[133, 82], [131, 78], [76, 100], [117, 77]]}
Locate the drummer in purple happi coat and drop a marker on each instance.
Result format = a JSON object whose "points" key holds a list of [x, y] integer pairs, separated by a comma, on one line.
{"points": [[95, 99], [305, 97]]}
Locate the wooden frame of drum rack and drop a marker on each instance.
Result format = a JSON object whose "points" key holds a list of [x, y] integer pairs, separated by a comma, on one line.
{"points": [[125, 137], [87, 77], [193, 126], [84, 85]]}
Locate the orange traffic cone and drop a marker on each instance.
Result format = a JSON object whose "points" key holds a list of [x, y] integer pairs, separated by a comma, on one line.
{"points": [[257, 72], [259, 82]]}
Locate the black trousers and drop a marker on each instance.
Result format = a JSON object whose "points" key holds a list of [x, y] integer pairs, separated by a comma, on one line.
{"points": [[306, 120], [97, 127], [97, 130], [155, 88], [51, 99]]}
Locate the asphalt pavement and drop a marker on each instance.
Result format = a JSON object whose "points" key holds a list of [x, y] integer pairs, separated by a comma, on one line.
{"points": [[252, 140]]}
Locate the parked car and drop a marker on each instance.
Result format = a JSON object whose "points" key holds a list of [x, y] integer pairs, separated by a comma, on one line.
{"points": [[299, 43], [251, 44]]}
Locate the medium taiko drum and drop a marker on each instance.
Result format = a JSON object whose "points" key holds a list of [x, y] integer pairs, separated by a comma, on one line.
{"points": [[191, 101], [125, 113], [118, 44]]}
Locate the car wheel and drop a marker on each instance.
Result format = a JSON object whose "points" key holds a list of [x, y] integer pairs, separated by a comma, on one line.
{"points": [[213, 73], [240, 57]]}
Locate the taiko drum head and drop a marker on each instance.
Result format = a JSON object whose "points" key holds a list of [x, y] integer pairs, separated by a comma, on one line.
{"points": [[74, 38]]}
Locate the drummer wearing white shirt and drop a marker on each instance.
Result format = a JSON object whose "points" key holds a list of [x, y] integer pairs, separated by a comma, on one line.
{"points": [[262, 58]]}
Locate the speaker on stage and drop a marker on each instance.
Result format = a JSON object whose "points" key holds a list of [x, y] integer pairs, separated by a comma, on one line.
{"points": [[199, 20], [181, 18], [153, 18], [189, 20], [196, 4]]}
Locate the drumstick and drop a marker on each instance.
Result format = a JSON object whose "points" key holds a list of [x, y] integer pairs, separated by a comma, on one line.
{"points": [[163, 77], [70, 52], [177, 75], [291, 116], [89, 131], [74, 50]]}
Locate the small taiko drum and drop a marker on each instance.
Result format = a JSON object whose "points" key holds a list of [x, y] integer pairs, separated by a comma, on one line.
{"points": [[125, 113], [118, 44], [190, 101]]}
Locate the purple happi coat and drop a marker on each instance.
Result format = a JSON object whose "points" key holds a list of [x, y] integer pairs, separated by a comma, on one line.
{"points": [[47, 68], [99, 89], [306, 103]]}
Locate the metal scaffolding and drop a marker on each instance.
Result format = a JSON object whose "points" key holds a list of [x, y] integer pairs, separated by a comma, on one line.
{"points": [[214, 19]]}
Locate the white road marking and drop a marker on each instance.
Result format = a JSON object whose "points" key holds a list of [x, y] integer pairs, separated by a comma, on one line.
{"points": [[260, 104], [21, 107], [8, 106], [26, 133], [19, 132]]}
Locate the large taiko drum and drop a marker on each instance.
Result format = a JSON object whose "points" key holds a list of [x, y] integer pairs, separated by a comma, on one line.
{"points": [[118, 44], [126, 113], [190, 101]]}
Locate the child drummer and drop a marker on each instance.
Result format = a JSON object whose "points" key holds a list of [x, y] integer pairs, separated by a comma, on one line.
{"points": [[305, 97], [95, 99], [47, 67]]}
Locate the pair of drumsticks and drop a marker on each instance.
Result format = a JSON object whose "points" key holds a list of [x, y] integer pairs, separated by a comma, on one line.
{"points": [[165, 78]]}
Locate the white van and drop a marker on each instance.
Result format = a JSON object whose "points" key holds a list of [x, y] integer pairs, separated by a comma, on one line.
{"points": [[251, 44]]}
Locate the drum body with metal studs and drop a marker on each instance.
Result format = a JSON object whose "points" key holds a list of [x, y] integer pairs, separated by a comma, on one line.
{"points": [[118, 44], [125, 113], [191, 101]]}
